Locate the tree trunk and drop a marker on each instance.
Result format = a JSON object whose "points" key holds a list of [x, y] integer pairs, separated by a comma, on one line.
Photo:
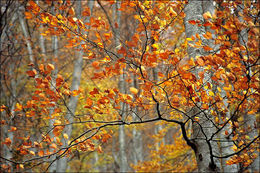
{"points": [[26, 35], [137, 134], [226, 142], [121, 86], [250, 120], [76, 77], [53, 87], [203, 129]]}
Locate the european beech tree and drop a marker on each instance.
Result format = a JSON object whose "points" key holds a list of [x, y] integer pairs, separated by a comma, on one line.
{"points": [[151, 86]]}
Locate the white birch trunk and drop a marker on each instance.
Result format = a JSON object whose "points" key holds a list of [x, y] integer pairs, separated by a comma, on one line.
{"points": [[201, 134], [6, 151], [42, 40], [159, 127], [26, 35], [250, 120], [121, 85], [226, 143], [53, 87], [137, 135]]}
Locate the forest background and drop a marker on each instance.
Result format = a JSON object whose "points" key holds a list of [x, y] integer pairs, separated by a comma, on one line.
{"points": [[123, 86]]}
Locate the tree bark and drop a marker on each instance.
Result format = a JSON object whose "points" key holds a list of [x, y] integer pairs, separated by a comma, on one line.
{"points": [[250, 120], [76, 77], [203, 129], [53, 87], [26, 35], [137, 134], [122, 89]]}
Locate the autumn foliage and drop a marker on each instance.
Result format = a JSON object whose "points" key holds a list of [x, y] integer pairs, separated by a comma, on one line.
{"points": [[166, 90]]}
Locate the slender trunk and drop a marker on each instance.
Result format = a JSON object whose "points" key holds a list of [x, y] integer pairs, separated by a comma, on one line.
{"points": [[137, 135], [8, 134], [76, 77], [53, 87], [26, 35], [6, 151], [42, 40], [96, 159], [202, 130], [250, 120], [225, 147], [159, 127], [121, 135], [121, 86]]}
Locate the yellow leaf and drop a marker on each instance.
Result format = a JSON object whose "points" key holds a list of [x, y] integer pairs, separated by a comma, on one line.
{"points": [[2, 108], [19, 107], [133, 90], [21, 166], [211, 93], [172, 12], [189, 39], [207, 15], [155, 46], [57, 122], [32, 153], [65, 135]]}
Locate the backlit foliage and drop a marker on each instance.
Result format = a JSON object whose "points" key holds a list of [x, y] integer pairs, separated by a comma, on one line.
{"points": [[152, 53]]}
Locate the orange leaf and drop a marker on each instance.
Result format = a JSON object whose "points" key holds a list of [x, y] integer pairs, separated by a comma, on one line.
{"points": [[34, 6], [57, 130], [13, 129], [71, 11], [86, 12], [207, 48], [99, 149], [200, 61], [122, 50], [2, 108], [95, 64], [54, 146], [41, 68], [50, 67], [89, 103], [133, 90], [236, 124], [234, 37], [19, 107], [7, 141], [28, 15], [59, 80], [226, 132], [208, 35], [31, 73], [95, 91], [155, 26], [193, 22], [41, 153]]}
